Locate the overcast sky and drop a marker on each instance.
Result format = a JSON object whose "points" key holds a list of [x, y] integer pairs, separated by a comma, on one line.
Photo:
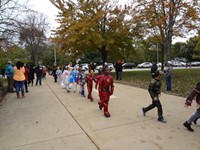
{"points": [[47, 8]]}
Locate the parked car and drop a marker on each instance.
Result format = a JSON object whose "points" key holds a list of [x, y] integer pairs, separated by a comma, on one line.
{"points": [[144, 65], [195, 63], [110, 65], [129, 65], [178, 64]]}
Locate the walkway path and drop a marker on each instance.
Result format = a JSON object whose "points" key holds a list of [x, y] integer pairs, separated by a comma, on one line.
{"points": [[48, 118]]}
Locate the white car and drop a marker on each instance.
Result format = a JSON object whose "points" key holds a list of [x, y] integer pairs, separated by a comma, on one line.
{"points": [[110, 65], [144, 65], [85, 66], [178, 64]]}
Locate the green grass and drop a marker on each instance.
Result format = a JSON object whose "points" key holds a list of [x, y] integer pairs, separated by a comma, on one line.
{"points": [[183, 81]]}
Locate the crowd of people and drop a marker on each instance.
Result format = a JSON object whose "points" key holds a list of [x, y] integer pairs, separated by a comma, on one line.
{"points": [[73, 79], [20, 76]]}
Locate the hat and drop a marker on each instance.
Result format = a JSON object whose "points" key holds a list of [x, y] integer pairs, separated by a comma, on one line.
{"points": [[158, 72]]}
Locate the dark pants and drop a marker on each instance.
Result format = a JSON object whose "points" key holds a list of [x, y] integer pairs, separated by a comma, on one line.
{"points": [[118, 75], [26, 85], [168, 83], [153, 105], [40, 80], [10, 84]]}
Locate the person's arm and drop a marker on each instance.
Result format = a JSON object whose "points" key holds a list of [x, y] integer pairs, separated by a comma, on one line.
{"points": [[111, 87], [194, 92]]}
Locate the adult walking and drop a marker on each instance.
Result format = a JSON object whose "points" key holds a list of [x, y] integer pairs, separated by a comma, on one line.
{"points": [[31, 75], [168, 75], [188, 102], [155, 91], [26, 77], [154, 68], [19, 78], [118, 70], [38, 72], [10, 73]]}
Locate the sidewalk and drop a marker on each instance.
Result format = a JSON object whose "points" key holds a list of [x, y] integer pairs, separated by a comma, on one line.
{"points": [[49, 118]]}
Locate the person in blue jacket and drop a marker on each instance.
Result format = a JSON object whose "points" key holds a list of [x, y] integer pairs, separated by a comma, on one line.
{"points": [[10, 73]]}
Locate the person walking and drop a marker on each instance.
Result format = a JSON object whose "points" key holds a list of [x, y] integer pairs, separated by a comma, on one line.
{"points": [[89, 80], [106, 89], [74, 76], [154, 68], [10, 73], [118, 70], [38, 72], [188, 102], [26, 77], [155, 91], [19, 78], [168, 75], [31, 75]]}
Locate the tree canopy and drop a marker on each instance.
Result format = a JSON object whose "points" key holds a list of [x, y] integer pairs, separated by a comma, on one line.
{"points": [[90, 25]]}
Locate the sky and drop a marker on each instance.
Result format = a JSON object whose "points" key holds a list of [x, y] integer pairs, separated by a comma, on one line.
{"points": [[47, 8]]}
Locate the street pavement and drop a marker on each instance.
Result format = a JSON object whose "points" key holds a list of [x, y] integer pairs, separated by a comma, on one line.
{"points": [[49, 118]]}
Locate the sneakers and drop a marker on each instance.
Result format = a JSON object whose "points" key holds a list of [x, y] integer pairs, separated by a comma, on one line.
{"points": [[162, 120], [144, 113], [187, 125]]}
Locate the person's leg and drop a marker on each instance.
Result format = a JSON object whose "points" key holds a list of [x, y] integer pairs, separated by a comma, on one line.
{"points": [[22, 88], [188, 123], [120, 75], [40, 80], [17, 86], [146, 109], [194, 116], [26, 85], [169, 82], [160, 111], [116, 75]]}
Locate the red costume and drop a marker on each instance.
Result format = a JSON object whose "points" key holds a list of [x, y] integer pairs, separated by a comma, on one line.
{"points": [[98, 78], [89, 80], [106, 89]]}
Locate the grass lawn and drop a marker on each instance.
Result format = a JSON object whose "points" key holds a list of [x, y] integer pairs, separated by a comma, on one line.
{"points": [[183, 81]]}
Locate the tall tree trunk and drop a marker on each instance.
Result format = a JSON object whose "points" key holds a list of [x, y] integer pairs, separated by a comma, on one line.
{"points": [[104, 54]]}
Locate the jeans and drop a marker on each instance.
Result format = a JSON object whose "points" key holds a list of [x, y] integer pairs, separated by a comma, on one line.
{"points": [[194, 116], [19, 86], [168, 83]]}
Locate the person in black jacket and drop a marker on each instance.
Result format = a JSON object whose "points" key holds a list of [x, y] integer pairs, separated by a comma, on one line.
{"points": [[118, 70], [154, 91], [38, 72], [154, 68]]}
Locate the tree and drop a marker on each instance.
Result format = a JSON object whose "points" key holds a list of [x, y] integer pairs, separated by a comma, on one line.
{"points": [[10, 13], [166, 18], [90, 25], [32, 33]]}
